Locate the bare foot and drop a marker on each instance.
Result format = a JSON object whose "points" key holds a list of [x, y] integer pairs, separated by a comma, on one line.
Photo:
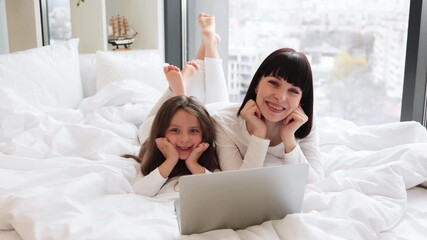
{"points": [[207, 25], [206, 21], [175, 80], [209, 36], [189, 70]]}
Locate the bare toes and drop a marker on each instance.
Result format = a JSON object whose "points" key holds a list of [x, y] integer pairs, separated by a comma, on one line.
{"points": [[206, 22], [193, 64], [189, 70], [169, 68]]}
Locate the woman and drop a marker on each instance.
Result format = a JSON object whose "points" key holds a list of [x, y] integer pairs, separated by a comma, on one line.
{"points": [[274, 125]]}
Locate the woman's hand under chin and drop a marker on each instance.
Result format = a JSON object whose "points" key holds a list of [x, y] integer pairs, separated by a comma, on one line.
{"points": [[290, 125], [254, 122]]}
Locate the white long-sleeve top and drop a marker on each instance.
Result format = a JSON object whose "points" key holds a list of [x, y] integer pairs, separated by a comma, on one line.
{"points": [[237, 149], [150, 184], [154, 184]]}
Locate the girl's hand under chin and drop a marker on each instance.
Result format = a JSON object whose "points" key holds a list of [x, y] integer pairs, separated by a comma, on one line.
{"points": [[196, 153], [192, 160], [167, 149], [171, 155], [254, 122]]}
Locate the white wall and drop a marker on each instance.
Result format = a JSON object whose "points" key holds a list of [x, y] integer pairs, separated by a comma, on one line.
{"points": [[87, 24], [23, 24], [4, 42]]}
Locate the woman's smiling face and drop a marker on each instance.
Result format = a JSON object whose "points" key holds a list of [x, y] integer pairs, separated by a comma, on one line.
{"points": [[276, 98]]}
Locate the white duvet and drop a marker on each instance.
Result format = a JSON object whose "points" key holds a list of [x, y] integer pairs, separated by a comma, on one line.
{"points": [[61, 176]]}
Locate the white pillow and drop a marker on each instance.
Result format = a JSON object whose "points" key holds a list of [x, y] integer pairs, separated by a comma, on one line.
{"points": [[113, 67], [47, 75]]}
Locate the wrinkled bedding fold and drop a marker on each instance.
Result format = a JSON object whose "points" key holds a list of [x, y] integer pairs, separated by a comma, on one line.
{"points": [[62, 177]]}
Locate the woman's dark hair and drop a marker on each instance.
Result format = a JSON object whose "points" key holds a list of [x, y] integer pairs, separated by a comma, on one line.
{"points": [[294, 68], [150, 156]]}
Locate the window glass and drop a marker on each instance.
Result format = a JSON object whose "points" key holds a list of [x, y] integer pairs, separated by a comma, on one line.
{"points": [[59, 19], [356, 49]]}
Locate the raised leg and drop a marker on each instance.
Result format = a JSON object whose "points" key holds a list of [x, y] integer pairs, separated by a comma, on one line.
{"points": [[209, 83], [210, 38]]}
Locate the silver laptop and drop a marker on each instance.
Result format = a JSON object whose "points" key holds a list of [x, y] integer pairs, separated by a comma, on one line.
{"points": [[239, 199]]}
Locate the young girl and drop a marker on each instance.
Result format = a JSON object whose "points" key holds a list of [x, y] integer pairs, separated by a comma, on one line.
{"points": [[181, 140]]}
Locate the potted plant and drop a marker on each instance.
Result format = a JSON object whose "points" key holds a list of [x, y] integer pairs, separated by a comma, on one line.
{"points": [[80, 2]]}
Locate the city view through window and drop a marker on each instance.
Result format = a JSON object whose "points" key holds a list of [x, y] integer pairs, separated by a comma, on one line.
{"points": [[356, 49]]}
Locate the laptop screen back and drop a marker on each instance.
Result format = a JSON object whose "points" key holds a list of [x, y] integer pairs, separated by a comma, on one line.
{"points": [[238, 199]]}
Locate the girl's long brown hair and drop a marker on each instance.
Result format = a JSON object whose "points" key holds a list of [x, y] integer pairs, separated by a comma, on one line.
{"points": [[150, 156]]}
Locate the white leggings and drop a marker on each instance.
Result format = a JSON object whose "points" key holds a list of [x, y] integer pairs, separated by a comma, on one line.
{"points": [[208, 86]]}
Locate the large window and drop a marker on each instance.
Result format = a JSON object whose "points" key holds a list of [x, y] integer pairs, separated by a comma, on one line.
{"points": [[57, 20], [356, 48]]}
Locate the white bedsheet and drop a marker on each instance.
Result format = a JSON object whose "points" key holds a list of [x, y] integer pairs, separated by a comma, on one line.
{"points": [[61, 177]]}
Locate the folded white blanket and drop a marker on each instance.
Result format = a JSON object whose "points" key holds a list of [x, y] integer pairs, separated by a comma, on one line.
{"points": [[61, 176]]}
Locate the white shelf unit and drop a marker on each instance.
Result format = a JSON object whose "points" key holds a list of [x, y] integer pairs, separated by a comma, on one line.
{"points": [[90, 21]]}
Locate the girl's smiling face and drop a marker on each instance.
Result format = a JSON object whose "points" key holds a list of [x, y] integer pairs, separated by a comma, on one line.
{"points": [[276, 98], [184, 132]]}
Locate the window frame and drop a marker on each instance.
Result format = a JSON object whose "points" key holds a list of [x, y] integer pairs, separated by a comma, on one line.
{"points": [[414, 99]]}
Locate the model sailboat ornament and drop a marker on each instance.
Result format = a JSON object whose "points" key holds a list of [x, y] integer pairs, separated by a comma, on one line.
{"points": [[120, 33]]}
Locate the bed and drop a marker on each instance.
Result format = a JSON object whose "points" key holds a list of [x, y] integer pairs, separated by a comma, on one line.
{"points": [[62, 177]]}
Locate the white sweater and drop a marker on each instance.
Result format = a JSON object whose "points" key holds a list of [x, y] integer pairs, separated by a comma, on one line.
{"points": [[154, 185], [237, 149]]}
